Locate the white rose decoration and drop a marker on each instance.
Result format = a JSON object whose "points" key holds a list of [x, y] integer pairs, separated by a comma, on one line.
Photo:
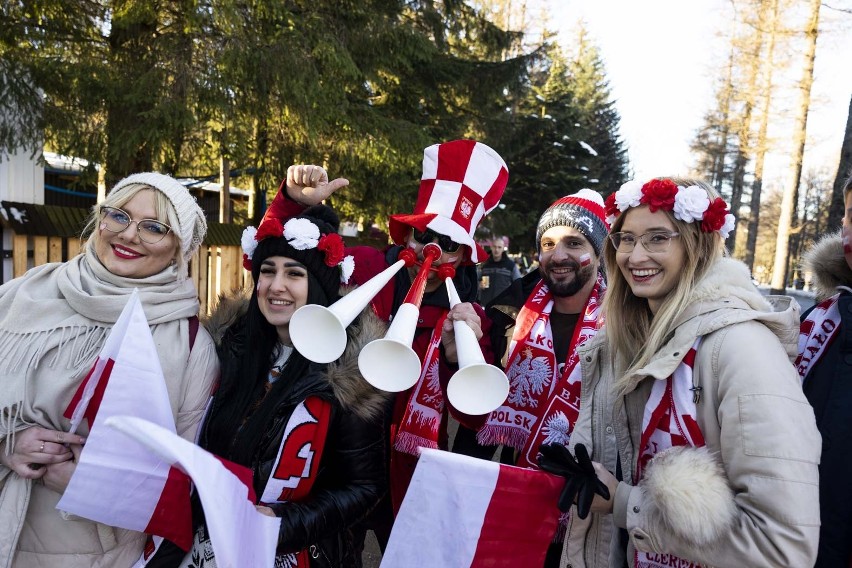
{"points": [[690, 203], [730, 223], [629, 195], [248, 242], [301, 234], [347, 267]]}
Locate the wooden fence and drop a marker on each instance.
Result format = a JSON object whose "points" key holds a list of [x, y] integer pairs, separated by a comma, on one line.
{"points": [[217, 270], [214, 269]]}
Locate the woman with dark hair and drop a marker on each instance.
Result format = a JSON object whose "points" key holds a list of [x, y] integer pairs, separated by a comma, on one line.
{"points": [[690, 404], [313, 435]]}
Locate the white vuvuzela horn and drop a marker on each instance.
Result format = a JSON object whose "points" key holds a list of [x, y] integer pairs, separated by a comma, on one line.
{"points": [[390, 364], [477, 387], [319, 333]]}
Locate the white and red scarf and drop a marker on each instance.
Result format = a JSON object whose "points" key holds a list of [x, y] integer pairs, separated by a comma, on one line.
{"points": [[668, 422], [297, 463], [292, 477], [421, 421], [536, 382], [816, 333]]}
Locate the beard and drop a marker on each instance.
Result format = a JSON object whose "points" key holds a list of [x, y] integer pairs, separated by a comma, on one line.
{"points": [[564, 289]]}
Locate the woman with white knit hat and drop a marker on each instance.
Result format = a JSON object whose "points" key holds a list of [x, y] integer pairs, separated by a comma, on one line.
{"points": [[53, 323]]}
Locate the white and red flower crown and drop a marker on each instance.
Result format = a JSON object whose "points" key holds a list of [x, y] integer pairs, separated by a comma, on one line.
{"points": [[301, 234], [688, 204]]}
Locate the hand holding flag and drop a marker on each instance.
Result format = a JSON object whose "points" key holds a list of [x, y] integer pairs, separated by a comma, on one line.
{"points": [[239, 534], [582, 482], [127, 379]]}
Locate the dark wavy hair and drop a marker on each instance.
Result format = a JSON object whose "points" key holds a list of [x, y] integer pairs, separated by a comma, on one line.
{"points": [[240, 414]]}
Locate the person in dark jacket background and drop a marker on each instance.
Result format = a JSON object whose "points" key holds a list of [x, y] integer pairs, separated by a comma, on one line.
{"points": [[497, 273], [313, 435], [825, 365]]}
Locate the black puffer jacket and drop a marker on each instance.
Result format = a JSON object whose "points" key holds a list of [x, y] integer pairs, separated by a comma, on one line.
{"points": [[828, 387], [352, 476]]}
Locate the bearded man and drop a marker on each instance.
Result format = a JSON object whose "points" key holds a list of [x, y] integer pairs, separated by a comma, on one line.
{"points": [[537, 326]]}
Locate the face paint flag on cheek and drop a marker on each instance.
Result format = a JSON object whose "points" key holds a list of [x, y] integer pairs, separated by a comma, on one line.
{"points": [[847, 247], [585, 259]]}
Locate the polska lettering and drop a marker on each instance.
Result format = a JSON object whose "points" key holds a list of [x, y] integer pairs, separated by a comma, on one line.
{"points": [[540, 339], [504, 416]]}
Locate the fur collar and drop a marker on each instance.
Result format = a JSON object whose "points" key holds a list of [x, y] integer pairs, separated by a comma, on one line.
{"points": [[827, 264], [350, 389]]}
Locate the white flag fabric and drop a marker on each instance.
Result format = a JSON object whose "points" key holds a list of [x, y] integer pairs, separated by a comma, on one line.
{"points": [[241, 537], [463, 512], [118, 482]]}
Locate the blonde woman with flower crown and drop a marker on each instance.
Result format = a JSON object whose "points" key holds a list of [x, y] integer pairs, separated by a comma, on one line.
{"points": [[691, 409]]}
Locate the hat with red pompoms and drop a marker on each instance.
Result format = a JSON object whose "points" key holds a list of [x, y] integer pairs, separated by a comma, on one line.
{"points": [[309, 238], [462, 181]]}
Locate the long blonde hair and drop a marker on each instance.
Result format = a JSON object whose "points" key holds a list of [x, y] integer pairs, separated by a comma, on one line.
{"points": [[635, 335]]}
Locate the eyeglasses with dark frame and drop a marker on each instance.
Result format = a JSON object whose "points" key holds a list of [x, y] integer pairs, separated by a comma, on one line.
{"points": [[429, 236], [116, 220], [652, 241]]}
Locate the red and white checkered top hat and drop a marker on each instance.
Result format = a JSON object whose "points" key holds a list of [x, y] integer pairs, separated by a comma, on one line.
{"points": [[462, 181]]}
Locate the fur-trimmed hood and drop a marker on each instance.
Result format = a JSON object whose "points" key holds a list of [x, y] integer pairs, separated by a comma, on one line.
{"points": [[827, 264], [350, 389]]}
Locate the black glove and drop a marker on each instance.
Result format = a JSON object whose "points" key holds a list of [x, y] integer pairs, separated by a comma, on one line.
{"points": [[581, 481]]}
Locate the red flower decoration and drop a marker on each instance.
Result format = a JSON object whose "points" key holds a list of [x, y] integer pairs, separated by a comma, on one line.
{"points": [[332, 245], [246, 262], [271, 227], [659, 194], [714, 217], [611, 207]]}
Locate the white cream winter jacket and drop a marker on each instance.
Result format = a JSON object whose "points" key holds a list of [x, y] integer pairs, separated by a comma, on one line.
{"points": [[750, 497]]}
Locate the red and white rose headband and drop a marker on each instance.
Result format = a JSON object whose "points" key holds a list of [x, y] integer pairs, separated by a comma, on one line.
{"points": [[301, 234], [687, 204]]}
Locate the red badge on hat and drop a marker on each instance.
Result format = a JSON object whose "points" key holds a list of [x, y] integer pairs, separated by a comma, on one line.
{"points": [[462, 181]]}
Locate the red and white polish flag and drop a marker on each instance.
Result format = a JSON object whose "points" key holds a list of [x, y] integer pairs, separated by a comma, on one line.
{"points": [[118, 482], [463, 512], [240, 535]]}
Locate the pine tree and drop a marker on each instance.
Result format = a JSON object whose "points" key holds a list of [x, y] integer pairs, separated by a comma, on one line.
{"points": [[591, 95]]}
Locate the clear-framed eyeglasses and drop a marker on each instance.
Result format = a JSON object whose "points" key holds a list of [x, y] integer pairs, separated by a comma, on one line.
{"points": [[652, 241], [116, 220]]}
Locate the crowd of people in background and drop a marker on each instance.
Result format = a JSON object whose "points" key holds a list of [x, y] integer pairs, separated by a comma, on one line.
{"points": [[713, 418]]}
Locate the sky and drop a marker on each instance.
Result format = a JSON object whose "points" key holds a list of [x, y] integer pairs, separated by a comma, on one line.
{"points": [[662, 58]]}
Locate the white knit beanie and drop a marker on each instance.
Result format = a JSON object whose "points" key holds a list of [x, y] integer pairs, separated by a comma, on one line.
{"points": [[192, 223]]}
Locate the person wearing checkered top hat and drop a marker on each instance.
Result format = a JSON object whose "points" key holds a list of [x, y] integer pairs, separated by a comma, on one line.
{"points": [[691, 410], [462, 181]]}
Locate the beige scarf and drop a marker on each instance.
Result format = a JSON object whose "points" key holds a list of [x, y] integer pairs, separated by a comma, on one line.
{"points": [[53, 322]]}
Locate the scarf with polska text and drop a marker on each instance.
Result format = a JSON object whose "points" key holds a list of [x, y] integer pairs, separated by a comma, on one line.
{"points": [[816, 333], [421, 421], [668, 422], [535, 381]]}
